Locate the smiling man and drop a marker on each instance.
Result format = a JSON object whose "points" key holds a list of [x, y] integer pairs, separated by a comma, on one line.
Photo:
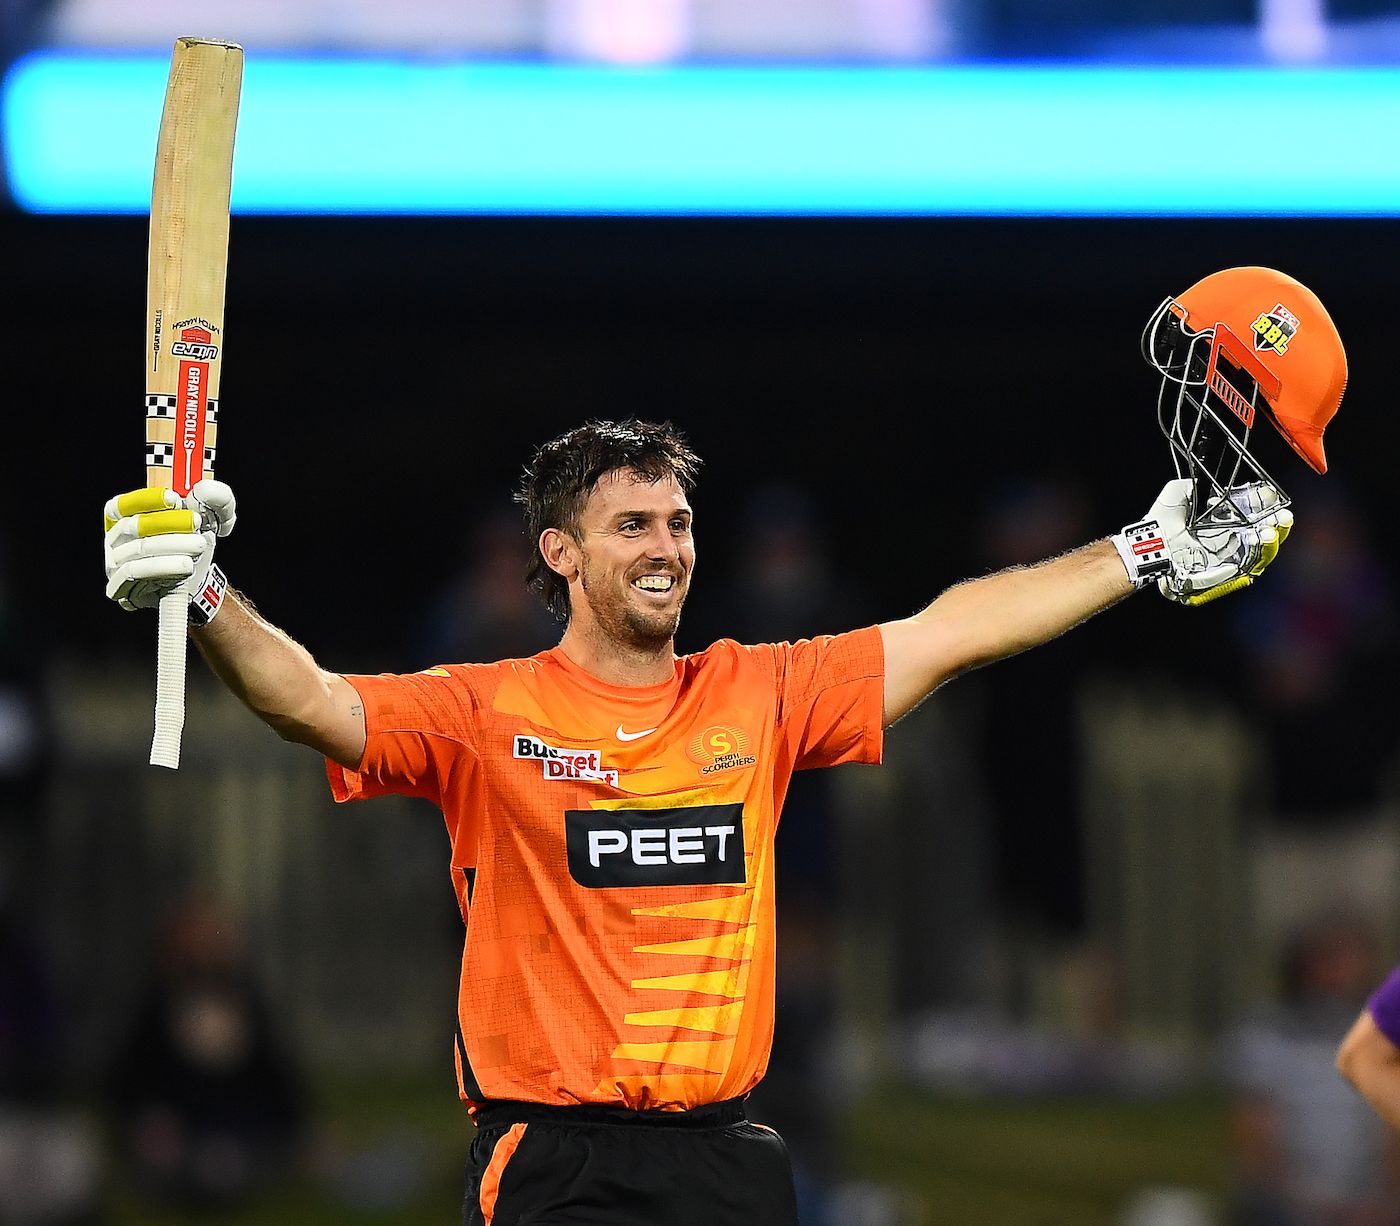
{"points": [[612, 806]]}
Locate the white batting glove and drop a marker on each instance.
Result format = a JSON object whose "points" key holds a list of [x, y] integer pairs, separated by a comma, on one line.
{"points": [[158, 542], [1216, 556]]}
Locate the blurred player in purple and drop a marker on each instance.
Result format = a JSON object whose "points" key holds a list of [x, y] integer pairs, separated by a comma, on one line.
{"points": [[1369, 1056]]}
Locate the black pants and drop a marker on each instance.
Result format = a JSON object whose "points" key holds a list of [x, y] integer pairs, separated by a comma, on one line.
{"points": [[533, 1165]]}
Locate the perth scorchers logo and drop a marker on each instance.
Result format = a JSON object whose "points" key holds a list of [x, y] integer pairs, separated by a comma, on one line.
{"points": [[720, 747]]}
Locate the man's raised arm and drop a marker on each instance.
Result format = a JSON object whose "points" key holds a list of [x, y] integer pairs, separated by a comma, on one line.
{"points": [[158, 542], [280, 682], [984, 620]]}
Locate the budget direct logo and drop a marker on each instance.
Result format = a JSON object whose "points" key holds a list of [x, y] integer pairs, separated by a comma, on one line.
{"points": [[720, 747], [562, 764]]}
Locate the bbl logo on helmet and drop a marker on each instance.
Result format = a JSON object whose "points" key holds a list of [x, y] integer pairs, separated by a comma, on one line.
{"points": [[1274, 329]]}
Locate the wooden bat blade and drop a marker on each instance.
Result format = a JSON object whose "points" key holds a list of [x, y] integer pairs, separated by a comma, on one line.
{"points": [[185, 271], [188, 259]]}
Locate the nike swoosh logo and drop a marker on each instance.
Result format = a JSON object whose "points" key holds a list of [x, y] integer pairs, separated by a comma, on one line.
{"points": [[633, 736]]}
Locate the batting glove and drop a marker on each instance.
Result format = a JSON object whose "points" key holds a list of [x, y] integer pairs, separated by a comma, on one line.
{"points": [[1213, 557], [158, 542]]}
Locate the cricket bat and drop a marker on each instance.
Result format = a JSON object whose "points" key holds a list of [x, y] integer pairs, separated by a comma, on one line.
{"points": [[186, 265]]}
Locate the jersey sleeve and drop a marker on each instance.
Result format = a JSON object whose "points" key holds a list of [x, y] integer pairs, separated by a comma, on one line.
{"points": [[1384, 1007], [419, 729], [831, 698]]}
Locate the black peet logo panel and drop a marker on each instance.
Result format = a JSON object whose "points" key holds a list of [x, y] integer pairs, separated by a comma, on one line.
{"points": [[612, 848]]}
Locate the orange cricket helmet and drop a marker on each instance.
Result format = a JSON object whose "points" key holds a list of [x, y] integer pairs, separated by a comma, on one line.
{"points": [[1237, 341]]}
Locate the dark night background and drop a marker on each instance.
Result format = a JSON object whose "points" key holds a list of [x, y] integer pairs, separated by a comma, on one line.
{"points": [[386, 378]]}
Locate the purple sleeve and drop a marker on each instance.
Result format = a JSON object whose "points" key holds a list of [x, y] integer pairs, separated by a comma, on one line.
{"points": [[1384, 1007]]}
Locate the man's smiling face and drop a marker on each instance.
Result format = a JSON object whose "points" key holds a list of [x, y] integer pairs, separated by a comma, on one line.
{"points": [[637, 557]]}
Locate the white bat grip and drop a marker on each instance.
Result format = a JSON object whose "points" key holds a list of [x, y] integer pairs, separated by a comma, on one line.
{"points": [[170, 680]]}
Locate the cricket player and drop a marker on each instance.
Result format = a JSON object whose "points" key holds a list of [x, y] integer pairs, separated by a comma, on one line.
{"points": [[612, 806], [1369, 1056]]}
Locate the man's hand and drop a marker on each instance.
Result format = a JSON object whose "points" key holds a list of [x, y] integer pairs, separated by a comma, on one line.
{"points": [[158, 542], [1214, 557]]}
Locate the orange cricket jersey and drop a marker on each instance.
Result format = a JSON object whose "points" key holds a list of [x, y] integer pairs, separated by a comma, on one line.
{"points": [[612, 852]]}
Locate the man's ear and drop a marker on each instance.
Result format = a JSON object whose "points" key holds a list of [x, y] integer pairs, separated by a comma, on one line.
{"points": [[560, 552]]}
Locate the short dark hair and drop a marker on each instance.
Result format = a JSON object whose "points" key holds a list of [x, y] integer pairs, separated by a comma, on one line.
{"points": [[564, 471]]}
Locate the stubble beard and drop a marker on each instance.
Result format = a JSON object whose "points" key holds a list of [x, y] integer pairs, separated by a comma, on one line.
{"points": [[624, 623]]}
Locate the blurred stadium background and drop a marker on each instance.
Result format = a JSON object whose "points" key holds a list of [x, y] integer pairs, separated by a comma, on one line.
{"points": [[1081, 951]]}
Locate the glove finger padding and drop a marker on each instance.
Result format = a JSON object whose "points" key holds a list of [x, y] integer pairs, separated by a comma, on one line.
{"points": [[1239, 556], [1173, 505], [216, 505], [136, 503], [210, 505], [1253, 503], [190, 545], [158, 542], [140, 583]]}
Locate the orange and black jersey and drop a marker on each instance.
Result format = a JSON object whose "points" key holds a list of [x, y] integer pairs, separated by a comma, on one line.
{"points": [[612, 851]]}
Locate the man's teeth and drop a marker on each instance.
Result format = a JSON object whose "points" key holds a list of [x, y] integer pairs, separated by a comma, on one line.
{"points": [[654, 583]]}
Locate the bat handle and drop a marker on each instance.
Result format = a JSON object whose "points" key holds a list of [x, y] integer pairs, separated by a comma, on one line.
{"points": [[170, 680]]}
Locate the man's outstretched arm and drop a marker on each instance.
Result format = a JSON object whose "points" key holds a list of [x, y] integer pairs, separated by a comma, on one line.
{"points": [[984, 620]]}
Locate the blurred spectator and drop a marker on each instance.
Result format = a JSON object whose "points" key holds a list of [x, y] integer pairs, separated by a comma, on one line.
{"points": [[1368, 1056], [50, 1155], [786, 586], [208, 1109], [22, 734], [1075, 1044], [1320, 639], [1308, 1149], [30, 1027], [50, 1170], [485, 611]]}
